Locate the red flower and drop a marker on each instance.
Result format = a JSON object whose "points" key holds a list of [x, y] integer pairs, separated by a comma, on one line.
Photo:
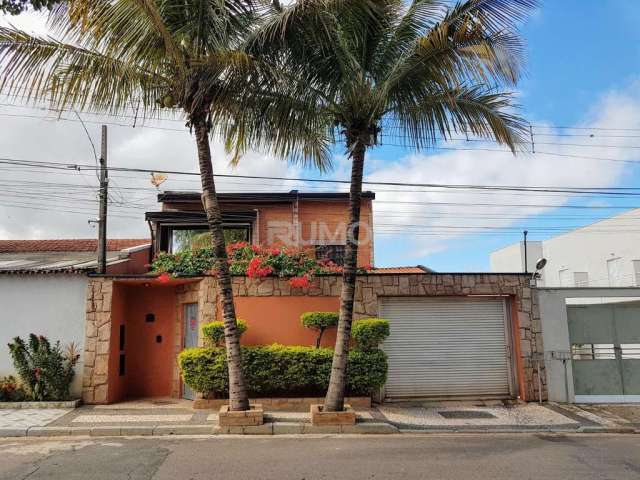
{"points": [[37, 372], [274, 251], [300, 282], [256, 249], [164, 277], [256, 270]]}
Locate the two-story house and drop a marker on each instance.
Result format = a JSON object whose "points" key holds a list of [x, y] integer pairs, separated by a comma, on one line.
{"points": [[310, 221]]}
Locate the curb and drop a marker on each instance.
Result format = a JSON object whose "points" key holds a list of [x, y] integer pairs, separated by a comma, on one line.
{"points": [[284, 428], [271, 428]]}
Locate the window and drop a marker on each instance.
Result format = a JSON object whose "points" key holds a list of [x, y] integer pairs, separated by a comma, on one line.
{"points": [[614, 271], [581, 279], [636, 271], [182, 239], [564, 276], [593, 351], [334, 253], [630, 351]]}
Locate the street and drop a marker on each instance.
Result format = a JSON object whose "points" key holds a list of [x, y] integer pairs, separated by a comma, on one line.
{"points": [[454, 456]]}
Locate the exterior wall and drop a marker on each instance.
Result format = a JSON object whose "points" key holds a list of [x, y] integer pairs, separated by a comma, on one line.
{"points": [[49, 305], [264, 301], [136, 263], [511, 258], [555, 331], [587, 250], [277, 319]]}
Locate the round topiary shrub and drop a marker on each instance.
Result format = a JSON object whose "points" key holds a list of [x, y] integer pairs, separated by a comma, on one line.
{"points": [[369, 333], [319, 321], [214, 332]]}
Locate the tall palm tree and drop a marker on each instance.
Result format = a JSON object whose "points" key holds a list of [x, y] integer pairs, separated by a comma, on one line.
{"points": [[418, 70], [180, 54]]}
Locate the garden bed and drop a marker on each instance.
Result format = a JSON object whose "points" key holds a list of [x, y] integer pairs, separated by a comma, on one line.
{"points": [[50, 404]]}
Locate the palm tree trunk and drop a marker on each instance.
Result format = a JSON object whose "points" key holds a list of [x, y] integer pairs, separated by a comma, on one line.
{"points": [[238, 398], [334, 401]]}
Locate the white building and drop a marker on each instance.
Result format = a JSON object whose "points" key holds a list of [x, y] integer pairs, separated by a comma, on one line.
{"points": [[603, 254]]}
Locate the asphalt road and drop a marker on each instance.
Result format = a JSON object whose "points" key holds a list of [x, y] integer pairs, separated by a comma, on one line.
{"points": [[468, 457]]}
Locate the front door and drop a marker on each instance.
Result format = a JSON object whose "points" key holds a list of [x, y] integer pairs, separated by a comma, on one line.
{"points": [[190, 336]]}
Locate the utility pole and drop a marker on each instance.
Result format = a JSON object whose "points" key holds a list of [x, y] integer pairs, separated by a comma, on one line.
{"points": [[526, 266], [102, 220]]}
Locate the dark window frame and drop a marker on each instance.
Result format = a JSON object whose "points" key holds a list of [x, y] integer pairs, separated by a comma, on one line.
{"points": [[166, 231], [323, 252]]}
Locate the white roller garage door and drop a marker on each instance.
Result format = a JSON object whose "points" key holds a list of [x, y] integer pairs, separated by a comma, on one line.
{"points": [[441, 347]]}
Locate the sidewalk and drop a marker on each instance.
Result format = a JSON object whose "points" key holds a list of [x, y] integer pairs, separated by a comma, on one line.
{"points": [[178, 418]]}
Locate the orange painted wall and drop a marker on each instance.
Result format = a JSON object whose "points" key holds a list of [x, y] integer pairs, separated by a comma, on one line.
{"points": [[136, 263], [149, 364], [277, 319], [117, 383]]}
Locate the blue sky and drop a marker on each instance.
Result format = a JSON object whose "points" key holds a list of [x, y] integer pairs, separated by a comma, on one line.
{"points": [[583, 70], [579, 52]]}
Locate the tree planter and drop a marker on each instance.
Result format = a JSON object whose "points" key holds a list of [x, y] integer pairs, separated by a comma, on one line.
{"points": [[346, 417], [246, 418]]}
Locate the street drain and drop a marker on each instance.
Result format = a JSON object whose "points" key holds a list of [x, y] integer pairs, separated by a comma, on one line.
{"points": [[465, 414]]}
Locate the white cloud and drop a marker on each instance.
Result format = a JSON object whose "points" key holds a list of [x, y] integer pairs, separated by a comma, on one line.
{"points": [[619, 109]]}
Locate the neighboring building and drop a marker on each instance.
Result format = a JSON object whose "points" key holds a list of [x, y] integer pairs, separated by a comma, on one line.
{"points": [[315, 221], [603, 254], [43, 289]]}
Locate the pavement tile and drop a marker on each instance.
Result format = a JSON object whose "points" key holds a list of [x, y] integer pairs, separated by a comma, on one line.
{"points": [[183, 430], [287, 428], [132, 418], [13, 432]]}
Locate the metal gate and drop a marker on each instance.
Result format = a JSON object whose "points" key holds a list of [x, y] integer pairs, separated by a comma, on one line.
{"points": [[605, 351], [190, 339], [443, 347]]}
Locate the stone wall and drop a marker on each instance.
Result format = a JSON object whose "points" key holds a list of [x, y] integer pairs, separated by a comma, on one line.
{"points": [[97, 341], [525, 311]]}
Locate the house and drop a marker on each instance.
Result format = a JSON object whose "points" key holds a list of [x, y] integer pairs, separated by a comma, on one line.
{"points": [[312, 221], [452, 335], [603, 254], [43, 287]]}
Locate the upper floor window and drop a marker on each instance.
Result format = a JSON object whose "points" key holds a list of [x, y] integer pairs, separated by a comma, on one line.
{"points": [[334, 253], [188, 238]]}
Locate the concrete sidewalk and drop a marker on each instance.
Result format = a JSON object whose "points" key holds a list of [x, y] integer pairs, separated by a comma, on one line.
{"points": [[178, 418]]}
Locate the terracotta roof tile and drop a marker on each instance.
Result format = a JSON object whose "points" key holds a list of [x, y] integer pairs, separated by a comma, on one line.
{"points": [[417, 269], [68, 245]]}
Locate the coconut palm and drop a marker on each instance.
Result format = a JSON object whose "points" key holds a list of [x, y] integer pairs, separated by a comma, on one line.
{"points": [[178, 54], [415, 70]]}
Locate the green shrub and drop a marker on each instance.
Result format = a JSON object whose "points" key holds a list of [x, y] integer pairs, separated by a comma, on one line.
{"points": [[214, 331], [46, 370], [369, 333], [11, 390], [185, 263], [282, 370], [319, 321]]}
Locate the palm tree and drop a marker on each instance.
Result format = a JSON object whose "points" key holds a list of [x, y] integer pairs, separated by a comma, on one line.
{"points": [[180, 54], [416, 70]]}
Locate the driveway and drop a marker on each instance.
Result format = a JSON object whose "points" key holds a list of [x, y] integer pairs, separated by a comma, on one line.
{"points": [[452, 457]]}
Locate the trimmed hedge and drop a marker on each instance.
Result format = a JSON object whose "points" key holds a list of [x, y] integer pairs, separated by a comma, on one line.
{"points": [[369, 333], [214, 331], [282, 370], [319, 321]]}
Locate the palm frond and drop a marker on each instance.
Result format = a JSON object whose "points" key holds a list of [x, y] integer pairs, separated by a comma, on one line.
{"points": [[65, 75], [474, 111]]}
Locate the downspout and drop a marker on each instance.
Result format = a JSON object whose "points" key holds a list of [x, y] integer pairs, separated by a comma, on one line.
{"points": [[296, 220]]}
